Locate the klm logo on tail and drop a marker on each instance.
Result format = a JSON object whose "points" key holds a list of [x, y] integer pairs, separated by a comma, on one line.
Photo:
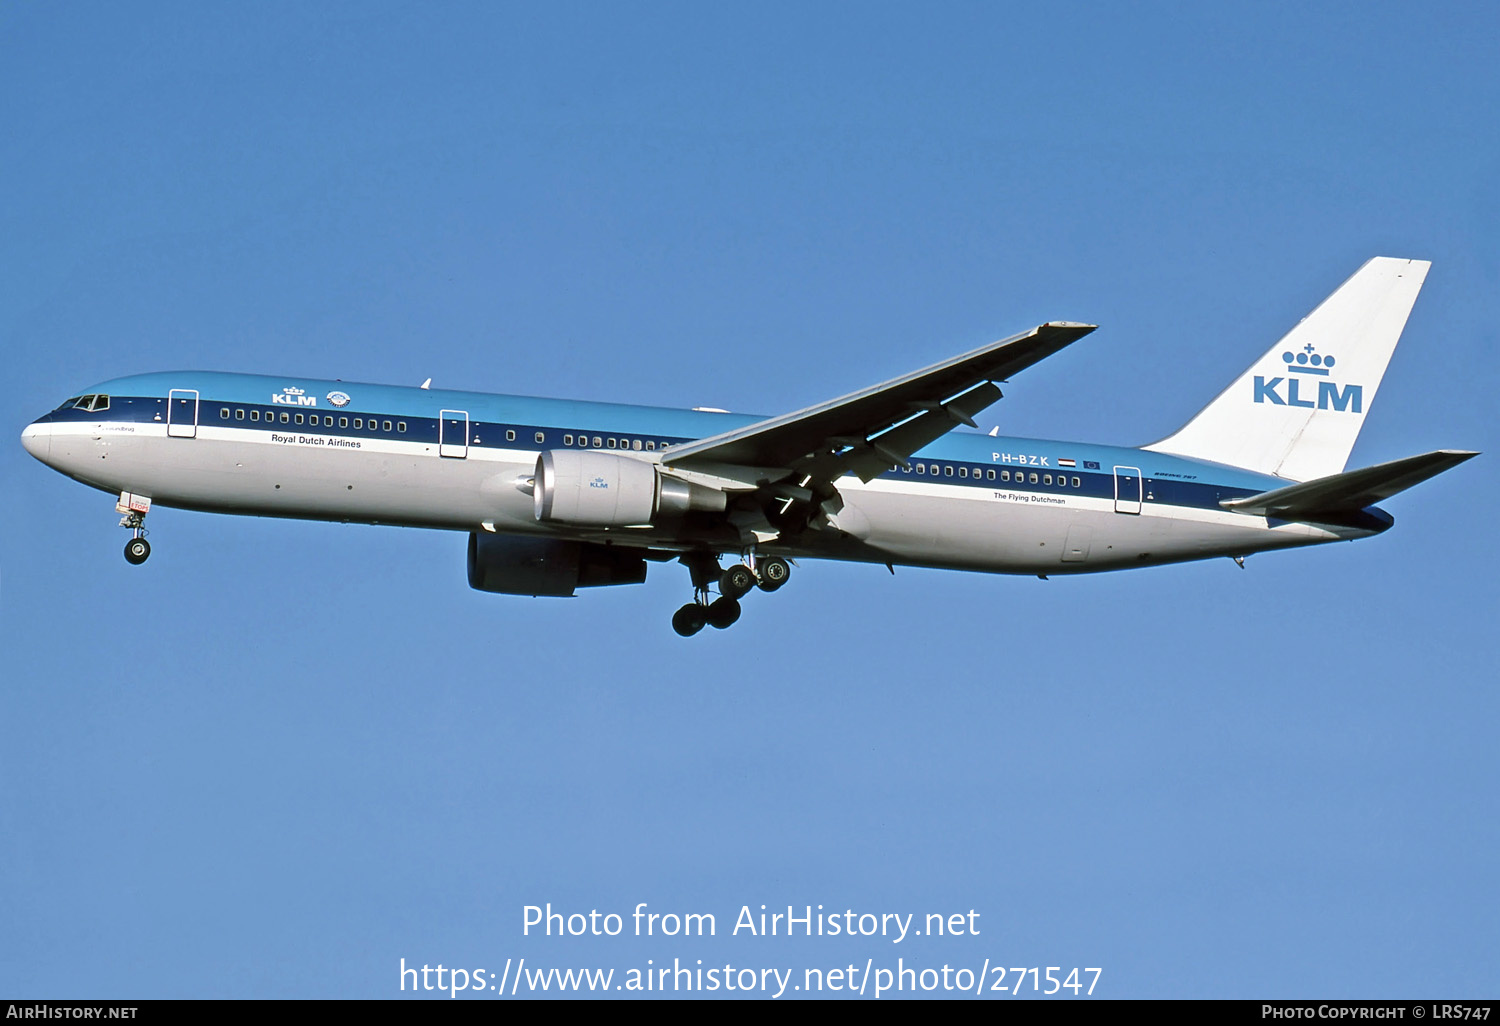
{"points": [[1346, 399]]}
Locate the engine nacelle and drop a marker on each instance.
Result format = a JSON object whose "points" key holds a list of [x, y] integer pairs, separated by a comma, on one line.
{"points": [[602, 489], [510, 565]]}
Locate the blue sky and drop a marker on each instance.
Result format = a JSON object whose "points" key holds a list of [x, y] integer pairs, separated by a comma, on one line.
{"points": [[282, 756]]}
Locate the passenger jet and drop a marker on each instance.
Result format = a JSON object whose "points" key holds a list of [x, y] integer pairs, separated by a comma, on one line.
{"points": [[557, 495]]}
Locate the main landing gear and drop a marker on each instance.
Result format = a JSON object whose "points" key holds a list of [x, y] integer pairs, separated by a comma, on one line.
{"points": [[734, 584]]}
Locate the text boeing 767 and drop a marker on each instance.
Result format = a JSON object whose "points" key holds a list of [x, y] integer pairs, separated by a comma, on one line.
{"points": [[558, 495]]}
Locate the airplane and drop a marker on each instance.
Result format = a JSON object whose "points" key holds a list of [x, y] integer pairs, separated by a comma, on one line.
{"points": [[558, 495]]}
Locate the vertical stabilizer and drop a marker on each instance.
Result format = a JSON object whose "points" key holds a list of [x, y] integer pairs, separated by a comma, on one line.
{"points": [[1297, 410]]}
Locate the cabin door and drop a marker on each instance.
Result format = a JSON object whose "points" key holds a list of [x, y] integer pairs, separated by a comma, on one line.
{"points": [[1127, 490], [182, 413], [453, 434]]}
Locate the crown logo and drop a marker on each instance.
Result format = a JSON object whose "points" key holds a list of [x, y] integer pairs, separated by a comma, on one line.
{"points": [[292, 390], [1309, 361]]}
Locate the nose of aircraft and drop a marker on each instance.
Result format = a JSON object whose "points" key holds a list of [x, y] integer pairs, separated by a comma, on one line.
{"points": [[37, 438]]}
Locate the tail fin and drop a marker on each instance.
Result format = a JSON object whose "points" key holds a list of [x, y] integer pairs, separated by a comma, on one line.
{"points": [[1296, 411]]}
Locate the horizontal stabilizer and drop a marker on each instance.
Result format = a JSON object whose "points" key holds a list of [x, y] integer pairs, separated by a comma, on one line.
{"points": [[1350, 491]]}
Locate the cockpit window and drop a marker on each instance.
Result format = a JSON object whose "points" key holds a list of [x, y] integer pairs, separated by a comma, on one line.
{"points": [[89, 402], [101, 402]]}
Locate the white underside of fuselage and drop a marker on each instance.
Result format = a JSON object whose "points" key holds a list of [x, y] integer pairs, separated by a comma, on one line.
{"points": [[912, 522]]}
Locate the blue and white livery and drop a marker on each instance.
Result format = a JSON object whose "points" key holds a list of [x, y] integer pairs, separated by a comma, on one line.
{"points": [[559, 495]]}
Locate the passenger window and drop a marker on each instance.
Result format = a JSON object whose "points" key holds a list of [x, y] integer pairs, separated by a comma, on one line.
{"points": [[611, 443], [990, 474], [359, 423], [510, 436], [598, 442], [567, 439], [1046, 479], [650, 446], [400, 426], [223, 413], [540, 438], [921, 468], [1033, 477], [635, 444], [255, 415], [239, 414], [1076, 482], [963, 471], [343, 422], [299, 418], [285, 418], [386, 426]]}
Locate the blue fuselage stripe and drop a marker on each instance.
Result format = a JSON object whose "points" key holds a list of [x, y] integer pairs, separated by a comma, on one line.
{"points": [[1092, 482]]}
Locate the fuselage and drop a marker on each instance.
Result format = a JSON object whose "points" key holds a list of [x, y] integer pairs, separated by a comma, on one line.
{"points": [[464, 461]]}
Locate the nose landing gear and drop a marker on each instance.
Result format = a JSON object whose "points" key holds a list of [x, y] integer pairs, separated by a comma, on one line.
{"points": [[135, 508], [136, 551]]}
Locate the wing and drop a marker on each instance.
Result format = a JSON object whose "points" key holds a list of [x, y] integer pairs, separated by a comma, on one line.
{"points": [[867, 432]]}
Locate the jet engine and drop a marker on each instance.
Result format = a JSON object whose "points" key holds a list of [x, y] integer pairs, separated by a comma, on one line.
{"points": [[548, 566], [602, 489]]}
